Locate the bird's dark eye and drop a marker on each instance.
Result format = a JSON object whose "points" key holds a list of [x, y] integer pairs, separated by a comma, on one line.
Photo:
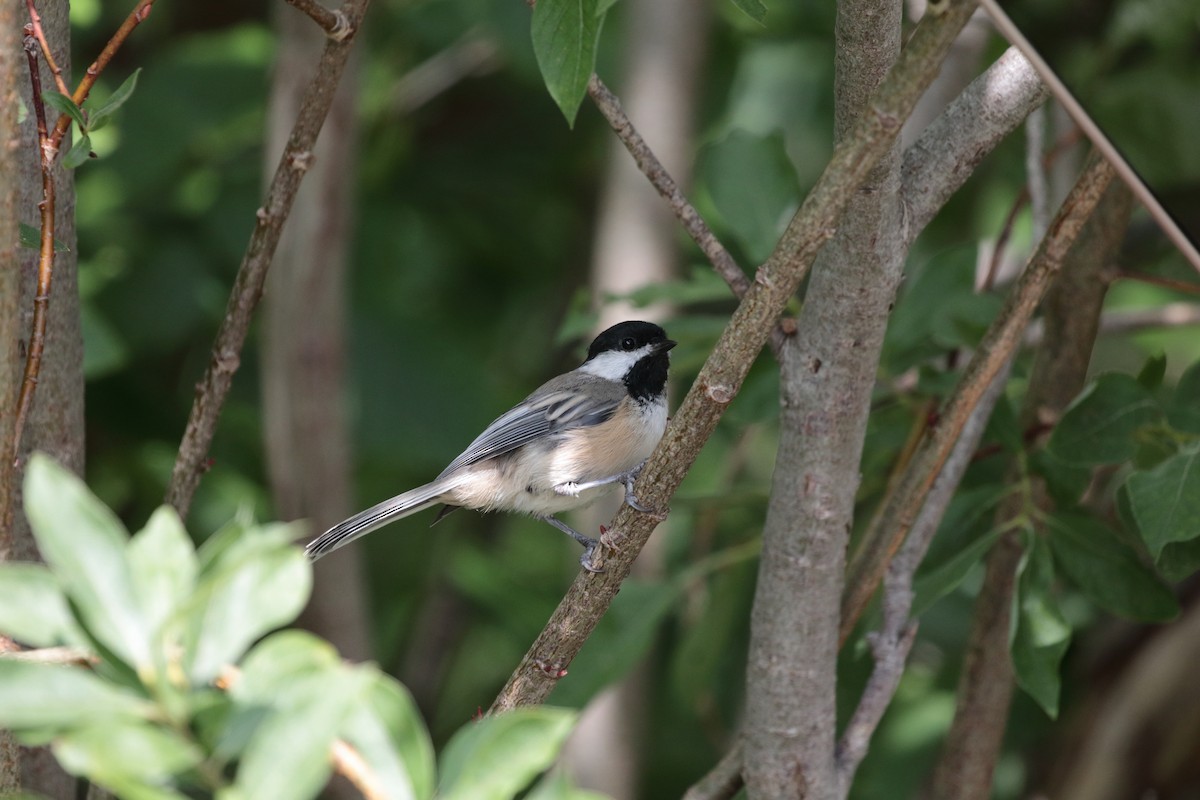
{"points": [[629, 343]]}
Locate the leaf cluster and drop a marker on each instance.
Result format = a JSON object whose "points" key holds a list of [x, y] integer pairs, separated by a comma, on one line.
{"points": [[177, 687]]}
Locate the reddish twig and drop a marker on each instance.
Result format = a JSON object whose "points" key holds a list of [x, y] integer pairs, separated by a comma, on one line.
{"points": [[190, 463], [135, 18], [335, 23], [35, 21], [48, 150]]}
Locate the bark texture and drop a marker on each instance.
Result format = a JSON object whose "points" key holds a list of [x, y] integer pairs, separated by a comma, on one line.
{"points": [[55, 422], [828, 370]]}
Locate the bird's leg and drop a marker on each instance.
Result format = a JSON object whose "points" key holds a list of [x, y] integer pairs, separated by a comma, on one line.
{"points": [[589, 544], [574, 489]]}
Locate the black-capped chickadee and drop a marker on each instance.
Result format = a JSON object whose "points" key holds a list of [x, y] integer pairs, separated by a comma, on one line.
{"points": [[571, 441]]}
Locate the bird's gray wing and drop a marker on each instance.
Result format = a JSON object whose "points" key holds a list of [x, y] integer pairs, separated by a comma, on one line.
{"points": [[550, 410]]}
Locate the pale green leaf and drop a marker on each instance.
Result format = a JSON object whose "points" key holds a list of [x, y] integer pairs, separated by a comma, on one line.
{"points": [[386, 730], [754, 9], [127, 757], [41, 696], [498, 756], [33, 610], [162, 561], [288, 756], [84, 544], [256, 587]]}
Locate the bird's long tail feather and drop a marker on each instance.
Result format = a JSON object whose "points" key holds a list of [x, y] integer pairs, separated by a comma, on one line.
{"points": [[376, 517]]}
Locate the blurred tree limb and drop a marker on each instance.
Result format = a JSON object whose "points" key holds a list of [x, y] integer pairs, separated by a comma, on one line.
{"points": [[722, 374], [190, 464]]}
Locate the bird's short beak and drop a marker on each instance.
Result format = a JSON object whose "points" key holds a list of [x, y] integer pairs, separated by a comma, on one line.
{"points": [[664, 345]]}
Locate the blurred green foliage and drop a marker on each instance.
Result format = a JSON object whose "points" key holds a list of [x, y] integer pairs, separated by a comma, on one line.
{"points": [[475, 215], [174, 698]]}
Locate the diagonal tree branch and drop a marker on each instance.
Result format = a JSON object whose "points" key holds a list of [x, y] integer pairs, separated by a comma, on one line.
{"points": [[666, 186], [866, 569], [248, 286], [972, 746], [1063, 95], [722, 375]]}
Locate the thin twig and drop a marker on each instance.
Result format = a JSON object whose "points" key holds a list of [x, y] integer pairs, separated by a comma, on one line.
{"points": [[252, 274], [1171, 315], [47, 150], [723, 373], [668, 189], [1101, 142], [891, 644], [135, 18], [65, 656], [335, 23], [35, 20], [657, 174], [1186, 287], [350, 764], [864, 573]]}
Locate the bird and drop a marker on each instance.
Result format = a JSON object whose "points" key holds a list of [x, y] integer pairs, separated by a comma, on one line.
{"points": [[574, 439]]}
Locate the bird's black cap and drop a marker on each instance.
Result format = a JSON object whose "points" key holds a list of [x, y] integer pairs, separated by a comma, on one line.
{"points": [[628, 336]]}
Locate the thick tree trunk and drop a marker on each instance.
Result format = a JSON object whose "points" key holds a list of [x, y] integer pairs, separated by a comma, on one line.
{"points": [[55, 421], [828, 370]]}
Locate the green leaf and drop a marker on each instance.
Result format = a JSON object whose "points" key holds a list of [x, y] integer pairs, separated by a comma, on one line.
{"points": [[386, 730], [565, 35], [40, 696], [288, 755], [1099, 426], [80, 152], [496, 757], [754, 9], [163, 565], [253, 586], [1183, 411], [1165, 501], [1153, 371], [31, 238], [753, 186], [280, 661], [115, 101], [126, 756], [65, 105], [1107, 570], [84, 544], [1041, 634], [33, 610]]}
